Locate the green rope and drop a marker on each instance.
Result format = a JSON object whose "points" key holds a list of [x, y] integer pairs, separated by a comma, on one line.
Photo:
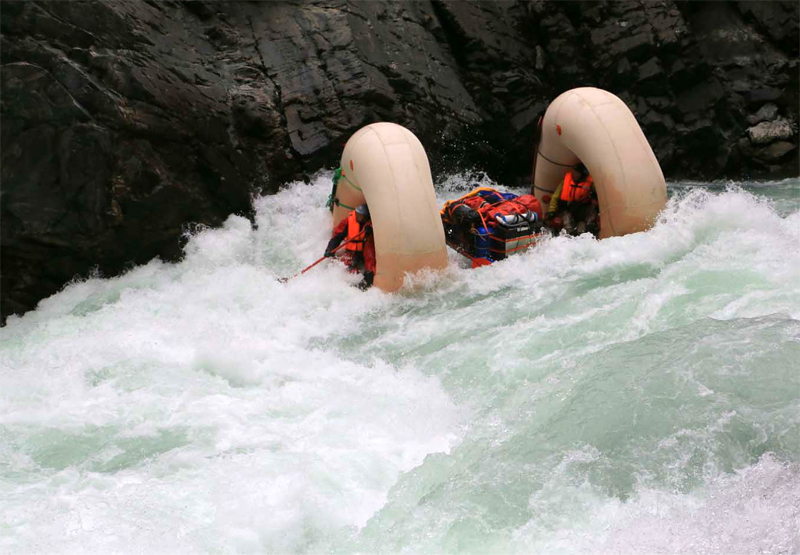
{"points": [[335, 201], [332, 200], [353, 185], [337, 175]]}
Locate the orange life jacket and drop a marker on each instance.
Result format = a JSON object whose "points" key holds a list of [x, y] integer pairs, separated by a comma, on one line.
{"points": [[576, 192], [353, 229]]}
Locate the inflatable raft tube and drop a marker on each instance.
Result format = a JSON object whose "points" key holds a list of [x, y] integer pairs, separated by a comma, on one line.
{"points": [[595, 127], [385, 165]]}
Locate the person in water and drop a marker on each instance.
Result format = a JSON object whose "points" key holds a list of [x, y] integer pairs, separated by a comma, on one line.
{"points": [[356, 228], [573, 206]]}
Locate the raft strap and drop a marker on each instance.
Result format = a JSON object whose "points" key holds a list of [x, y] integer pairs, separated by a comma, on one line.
{"points": [[539, 152], [535, 186]]}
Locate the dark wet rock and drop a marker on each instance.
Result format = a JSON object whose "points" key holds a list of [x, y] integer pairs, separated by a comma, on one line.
{"points": [[766, 113], [124, 123], [776, 150], [770, 19], [759, 95], [769, 155]]}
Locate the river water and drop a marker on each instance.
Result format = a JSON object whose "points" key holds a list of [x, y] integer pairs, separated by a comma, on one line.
{"points": [[639, 394]]}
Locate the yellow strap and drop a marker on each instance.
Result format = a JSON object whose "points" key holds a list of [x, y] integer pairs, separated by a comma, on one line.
{"points": [[472, 193]]}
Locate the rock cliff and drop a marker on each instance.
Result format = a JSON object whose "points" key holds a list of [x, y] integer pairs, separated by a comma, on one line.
{"points": [[125, 122]]}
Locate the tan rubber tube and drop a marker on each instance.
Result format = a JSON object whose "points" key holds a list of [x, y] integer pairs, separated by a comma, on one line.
{"points": [[595, 127], [385, 165]]}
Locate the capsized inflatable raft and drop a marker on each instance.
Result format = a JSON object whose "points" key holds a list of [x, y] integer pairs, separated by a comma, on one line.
{"points": [[385, 165]]}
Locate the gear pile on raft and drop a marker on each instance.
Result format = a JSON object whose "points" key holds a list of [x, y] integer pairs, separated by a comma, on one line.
{"points": [[593, 172], [486, 225]]}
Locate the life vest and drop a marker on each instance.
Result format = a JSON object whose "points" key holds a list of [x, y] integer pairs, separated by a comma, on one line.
{"points": [[353, 229], [576, 192]]}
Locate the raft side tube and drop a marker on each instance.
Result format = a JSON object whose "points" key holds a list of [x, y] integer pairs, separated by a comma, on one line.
{"points": [[385, 165], [595, 127]]}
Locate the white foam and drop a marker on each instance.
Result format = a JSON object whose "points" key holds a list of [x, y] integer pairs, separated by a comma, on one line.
{"points": [[204, 406]]}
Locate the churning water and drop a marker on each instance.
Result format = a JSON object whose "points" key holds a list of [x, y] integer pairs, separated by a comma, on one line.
{"points": [[639, 394]]}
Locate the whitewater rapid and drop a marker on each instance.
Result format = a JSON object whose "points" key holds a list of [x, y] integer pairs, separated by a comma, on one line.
{"points": [[639, 394]]}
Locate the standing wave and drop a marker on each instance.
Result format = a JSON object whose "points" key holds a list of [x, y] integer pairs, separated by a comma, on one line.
{"points": [[637, 394]]}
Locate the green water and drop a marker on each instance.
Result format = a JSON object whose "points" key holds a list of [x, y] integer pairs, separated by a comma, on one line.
{"points": [[633, 395]]}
